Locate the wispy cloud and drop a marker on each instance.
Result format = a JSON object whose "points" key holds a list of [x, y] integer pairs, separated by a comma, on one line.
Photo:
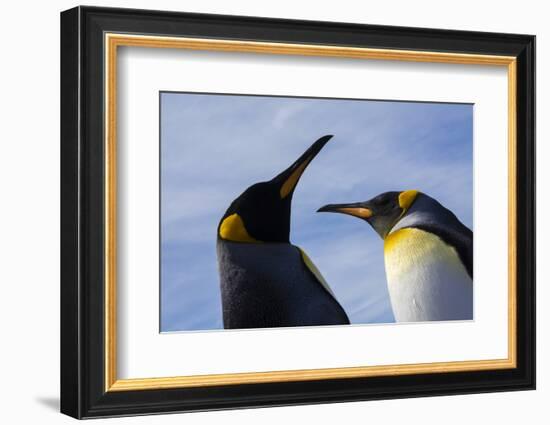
{"points": [[213, 147]]}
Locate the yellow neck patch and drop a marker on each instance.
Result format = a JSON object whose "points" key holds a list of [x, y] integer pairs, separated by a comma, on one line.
{"points": [[292, 180], [232, 229], [395, 238], [406, 198]]}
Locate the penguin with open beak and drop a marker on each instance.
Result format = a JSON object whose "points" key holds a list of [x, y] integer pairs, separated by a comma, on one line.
{"points": [[265, 280], [427, 254]]}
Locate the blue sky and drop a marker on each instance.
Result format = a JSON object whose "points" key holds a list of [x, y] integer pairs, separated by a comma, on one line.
{"points": [[215, 146]]}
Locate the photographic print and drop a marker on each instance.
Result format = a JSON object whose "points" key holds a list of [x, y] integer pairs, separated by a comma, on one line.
{"points": [[306, 216], [246, 185]]}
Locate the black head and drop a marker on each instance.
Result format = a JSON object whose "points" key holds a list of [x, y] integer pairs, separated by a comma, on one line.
{"points": [[381, 212], [262, 212]]}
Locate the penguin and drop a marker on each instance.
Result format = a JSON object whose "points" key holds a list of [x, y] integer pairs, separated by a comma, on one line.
{"points": [[266, 281], [427, 254]]}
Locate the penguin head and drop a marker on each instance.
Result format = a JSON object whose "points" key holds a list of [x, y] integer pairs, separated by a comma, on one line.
{"points": [[262, 212], [382, 212]]}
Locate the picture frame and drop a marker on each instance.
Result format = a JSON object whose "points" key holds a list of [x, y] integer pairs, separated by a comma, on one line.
{"points": [[91, 37]]}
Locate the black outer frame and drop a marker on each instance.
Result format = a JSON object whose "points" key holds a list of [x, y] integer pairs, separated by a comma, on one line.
{"points": [[82, 220]]}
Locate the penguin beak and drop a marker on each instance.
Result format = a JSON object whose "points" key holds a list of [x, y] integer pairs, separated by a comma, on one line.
{"points": [[357, 209], [289, 178]]}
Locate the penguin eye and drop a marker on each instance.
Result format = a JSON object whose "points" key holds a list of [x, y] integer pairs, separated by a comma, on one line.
{"points": [[382, 201]]}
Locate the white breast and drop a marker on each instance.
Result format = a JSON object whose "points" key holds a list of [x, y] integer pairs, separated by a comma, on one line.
{"points": [[426, 279]]}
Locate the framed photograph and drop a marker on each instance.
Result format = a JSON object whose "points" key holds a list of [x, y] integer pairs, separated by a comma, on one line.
{"points": [[261, 212]]}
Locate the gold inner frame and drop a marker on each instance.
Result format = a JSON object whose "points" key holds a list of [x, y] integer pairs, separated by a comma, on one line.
{"points": [[113, 41]]}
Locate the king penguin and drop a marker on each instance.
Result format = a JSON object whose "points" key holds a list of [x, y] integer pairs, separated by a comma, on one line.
{"points": [[427, 255], [266, 281]]}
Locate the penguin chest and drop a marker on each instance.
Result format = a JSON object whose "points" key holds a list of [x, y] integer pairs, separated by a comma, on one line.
{"points": [[269, 285], [426, 279]]}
